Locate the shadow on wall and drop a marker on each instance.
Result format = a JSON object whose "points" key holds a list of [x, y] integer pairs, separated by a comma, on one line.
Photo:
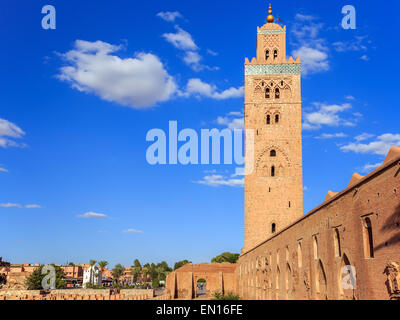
{"points": [[392, 223]]}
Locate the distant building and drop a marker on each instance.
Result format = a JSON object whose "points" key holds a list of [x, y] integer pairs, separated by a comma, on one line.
{"points": [[92, 275]]}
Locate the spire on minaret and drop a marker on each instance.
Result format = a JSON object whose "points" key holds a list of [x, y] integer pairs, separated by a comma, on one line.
{"points": [[270, 18]]}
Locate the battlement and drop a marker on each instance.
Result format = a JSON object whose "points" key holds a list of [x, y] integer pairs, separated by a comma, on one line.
{"points": [[255, 61]]}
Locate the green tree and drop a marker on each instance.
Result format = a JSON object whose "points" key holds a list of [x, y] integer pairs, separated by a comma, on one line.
{"points": [[117, 272], [34, 281], [102, 265], [137, 264], [181, 263], [226, 257], [71, 264], [145, 271]]}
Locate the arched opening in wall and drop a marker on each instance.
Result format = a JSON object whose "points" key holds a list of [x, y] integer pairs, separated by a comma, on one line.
{"points": [[267, 93], [277, 279], [288, 281], [277, 93], [336, 242], [273, 228], [368, 239], [315, 247], [266, 54], [273, 171], [346, 279], [321, 287], [299, 255], [201, 287], [277, 118], [272, 153], [268, 120], [275, 54]]}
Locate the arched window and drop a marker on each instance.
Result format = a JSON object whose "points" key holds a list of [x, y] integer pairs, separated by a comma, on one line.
{"points": [[268, 119], [267, 95], [276, 93], [266, 54], [275, 54], [315, 247], [273, 228], [288, 281], [272, 153], [368, 240], [273, 171], [336, 240], [299, 255], [277, 118]]}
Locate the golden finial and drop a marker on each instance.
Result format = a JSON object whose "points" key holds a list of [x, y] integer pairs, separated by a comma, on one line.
{"points": [[270, 18]]}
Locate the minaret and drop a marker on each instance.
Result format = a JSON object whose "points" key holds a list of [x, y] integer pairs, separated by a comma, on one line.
{"points": [[274, 191]]}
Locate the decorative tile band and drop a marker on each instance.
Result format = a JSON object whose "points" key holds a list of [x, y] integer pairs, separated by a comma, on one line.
{"points": [[257, 69], [271, 31]]}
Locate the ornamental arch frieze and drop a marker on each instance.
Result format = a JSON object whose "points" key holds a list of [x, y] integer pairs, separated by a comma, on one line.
{"points": [[273, 161]]}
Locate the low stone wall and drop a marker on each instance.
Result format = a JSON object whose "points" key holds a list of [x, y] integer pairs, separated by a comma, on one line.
{"points": [[18, 293], [81, 292], [77, 294], [136, 292]]}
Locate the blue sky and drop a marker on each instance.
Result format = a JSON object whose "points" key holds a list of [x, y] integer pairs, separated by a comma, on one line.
{"points": [[76, 104]]}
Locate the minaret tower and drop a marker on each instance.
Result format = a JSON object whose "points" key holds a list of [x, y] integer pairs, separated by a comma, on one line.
{"points": [[274, 191]]}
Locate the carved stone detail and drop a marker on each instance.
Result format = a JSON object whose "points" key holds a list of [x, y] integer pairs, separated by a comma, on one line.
{"points": [[392, 272]]}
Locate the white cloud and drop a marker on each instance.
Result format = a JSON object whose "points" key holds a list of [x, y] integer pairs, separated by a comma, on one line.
{"points": [[312, 60], [3, 169], [211, 52], [33, 206], [364, 136], [169, 16], [326, 115], [217, 180], [357, 44], [92, 215], [199, 88], [332, 135], [380, 146], [132, 231], [364, 57], [369, 167], [192, 59], [181, 39], [303, 17], [8, 132], [10, 205], [233, 120], [137, 82], [350, 97], [312, 48]]}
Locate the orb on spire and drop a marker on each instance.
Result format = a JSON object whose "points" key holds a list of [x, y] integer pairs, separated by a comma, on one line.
{"points": [[270, 18]]}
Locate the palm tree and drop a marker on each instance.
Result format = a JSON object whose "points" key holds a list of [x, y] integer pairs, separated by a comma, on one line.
{"points": [[92, 263], [145, 271], [102, 265], [135, 271], [117, 272]]}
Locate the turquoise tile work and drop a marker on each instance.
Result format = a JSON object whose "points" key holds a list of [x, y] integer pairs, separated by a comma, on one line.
{"points": [[272, 69]]}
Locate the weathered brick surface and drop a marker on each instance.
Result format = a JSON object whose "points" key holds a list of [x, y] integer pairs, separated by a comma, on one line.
{"points": [[219, 277], [274, 191], [293, 265]]}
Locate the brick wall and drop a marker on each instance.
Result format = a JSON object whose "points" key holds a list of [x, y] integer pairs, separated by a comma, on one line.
{"points": [[305, 260]]}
